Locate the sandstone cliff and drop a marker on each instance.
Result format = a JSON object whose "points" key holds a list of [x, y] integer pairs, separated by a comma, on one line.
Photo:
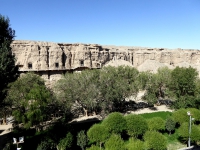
{"points": [[51, 60]]}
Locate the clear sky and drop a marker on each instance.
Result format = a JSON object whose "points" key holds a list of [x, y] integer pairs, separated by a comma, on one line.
{"points": [[146, 23]]}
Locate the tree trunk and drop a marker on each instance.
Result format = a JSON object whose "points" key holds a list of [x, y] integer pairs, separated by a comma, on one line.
{"points": [[100, 145], [4, 118], [85, 112]]}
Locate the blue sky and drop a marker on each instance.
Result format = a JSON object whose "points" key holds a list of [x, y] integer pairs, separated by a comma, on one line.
{"points": [[146, 23]]}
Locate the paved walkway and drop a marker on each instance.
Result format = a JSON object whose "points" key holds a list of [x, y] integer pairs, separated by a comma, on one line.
{"points": [[6, 128], [148, 110]]}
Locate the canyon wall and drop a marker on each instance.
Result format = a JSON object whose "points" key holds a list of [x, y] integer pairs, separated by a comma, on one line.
{"points": [[51, 60]]}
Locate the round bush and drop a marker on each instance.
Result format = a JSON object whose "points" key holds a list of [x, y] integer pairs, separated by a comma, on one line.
{"points": [[183, 132], [156, 123], [135, 144], [195, 113], [93, 147], [155, 141], [98, 133], [180, 116], [115, 143], [115, 123], [136, 125]]}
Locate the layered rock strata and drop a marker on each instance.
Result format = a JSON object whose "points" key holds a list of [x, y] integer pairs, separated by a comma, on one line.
{"points": [[51, 60]]}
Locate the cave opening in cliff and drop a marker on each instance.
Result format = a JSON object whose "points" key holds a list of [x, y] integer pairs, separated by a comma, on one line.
{"points": [[81, 63], [98, 65], [29, 65], [57, 65]]}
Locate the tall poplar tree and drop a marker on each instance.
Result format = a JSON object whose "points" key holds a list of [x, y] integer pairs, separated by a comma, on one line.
{"points": [[8, 70]]}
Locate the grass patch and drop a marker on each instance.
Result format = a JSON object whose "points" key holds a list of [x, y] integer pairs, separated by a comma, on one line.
{"points": [[162, 114]]}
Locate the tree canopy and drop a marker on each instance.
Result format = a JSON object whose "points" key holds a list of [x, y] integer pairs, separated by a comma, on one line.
{"points": [[98, 133], [136, 125], [29, 98], [115, 123], [8, 70]]}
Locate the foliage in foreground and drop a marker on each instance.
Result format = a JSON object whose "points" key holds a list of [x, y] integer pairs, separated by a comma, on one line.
{"points": [[66, 142], [82, 139], [115, 142], [155, 140], [8, 70], [156, 124], [136, 125], [115, 123], [135, 144], [98, 134]]}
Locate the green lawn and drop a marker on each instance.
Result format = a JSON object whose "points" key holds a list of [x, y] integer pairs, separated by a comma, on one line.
{"points": [[173, 142], [161, 114]]}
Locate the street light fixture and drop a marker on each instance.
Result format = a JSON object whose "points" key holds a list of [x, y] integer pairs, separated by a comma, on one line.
{"points": [[21, 140], [190, 121]]}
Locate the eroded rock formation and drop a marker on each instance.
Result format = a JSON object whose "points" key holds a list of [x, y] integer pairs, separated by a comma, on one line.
{"points": [[51, 60]]}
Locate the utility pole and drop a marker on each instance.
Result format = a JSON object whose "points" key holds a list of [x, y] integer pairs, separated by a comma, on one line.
{"points": [[189, 129]]}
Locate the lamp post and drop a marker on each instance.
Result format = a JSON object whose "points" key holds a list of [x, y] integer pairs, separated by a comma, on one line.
{"points": [[21, 140], [189, 129]]}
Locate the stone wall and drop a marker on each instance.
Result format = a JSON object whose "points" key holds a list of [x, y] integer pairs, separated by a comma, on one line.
{"points": [[51, 60]]}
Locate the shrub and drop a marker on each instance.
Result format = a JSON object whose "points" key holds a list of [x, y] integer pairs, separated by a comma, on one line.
{"points": [[115, 122], [115, 143], [170, 124], [195, 113], [135, 144], [136, 125], [46, 144], [155, 141], [93, 147], [66, 142], [98, 133], [180, 116], [155, 124], [82, 139], [183, 132]]}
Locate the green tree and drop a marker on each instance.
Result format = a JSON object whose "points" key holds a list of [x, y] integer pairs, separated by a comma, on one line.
{"points": [[170, 124], [136, 125], [144, 79], [184, 86], [184, 81], [135, 144], [180, 116], [157, 85], [46, 144], [93, 147], [29, 97], [115, 142], [98, 133], [183, 132], [115, 122], [8, 70], [116, 84], [195, 114], [155, 141], [82, 139], [156, 124], [78, 91], [66, 142]]}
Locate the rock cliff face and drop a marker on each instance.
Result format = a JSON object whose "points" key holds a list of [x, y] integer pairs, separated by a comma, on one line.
{"points": [[51, 60]]}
